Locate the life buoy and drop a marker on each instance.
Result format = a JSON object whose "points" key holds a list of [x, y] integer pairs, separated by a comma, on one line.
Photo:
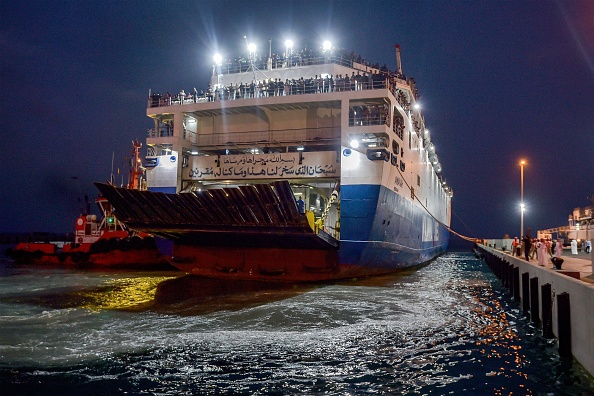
{"points": [[80, 240]]}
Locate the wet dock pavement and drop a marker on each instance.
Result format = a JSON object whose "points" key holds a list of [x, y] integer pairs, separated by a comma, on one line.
{"points": [[581, 263]]}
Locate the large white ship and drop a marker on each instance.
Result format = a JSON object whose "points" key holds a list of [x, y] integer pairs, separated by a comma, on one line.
{"points": [[311, 166]]}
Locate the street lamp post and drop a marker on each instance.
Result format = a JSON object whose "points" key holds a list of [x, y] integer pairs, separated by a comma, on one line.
{"points": [[522, 163]]}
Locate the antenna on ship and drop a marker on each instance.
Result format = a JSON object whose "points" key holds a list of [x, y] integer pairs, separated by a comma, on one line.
{"points": [[112, 178], [269, 60], [252, 54], [398, 61]]}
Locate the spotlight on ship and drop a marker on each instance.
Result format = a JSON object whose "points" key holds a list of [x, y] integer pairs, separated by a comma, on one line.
{"points": [[217, 58], [354, 143], [327, 45], [417, 106], [252, 47]]}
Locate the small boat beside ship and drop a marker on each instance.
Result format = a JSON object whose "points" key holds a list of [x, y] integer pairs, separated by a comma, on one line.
{"points": [[98, 242], [295, 168]]}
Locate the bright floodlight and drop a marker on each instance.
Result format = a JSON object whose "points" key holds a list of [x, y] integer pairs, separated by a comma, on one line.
{"points": [[252, 47], [354, 143], [417, 106], [218, 58], [289, 43], [326, 45]]}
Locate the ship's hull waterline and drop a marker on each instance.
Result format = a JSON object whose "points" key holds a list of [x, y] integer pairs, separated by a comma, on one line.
{"points": [[278, 243]]}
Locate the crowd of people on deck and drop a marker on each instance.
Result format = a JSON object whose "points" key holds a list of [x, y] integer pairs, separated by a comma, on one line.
{"points": [[276, 87], [376, 78]]}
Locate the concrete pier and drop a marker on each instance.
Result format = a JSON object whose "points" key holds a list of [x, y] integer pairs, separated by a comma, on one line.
{"points": [[566, 300]]}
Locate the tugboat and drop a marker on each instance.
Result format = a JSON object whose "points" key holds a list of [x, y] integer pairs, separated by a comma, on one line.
{"points": [[103, 243]]}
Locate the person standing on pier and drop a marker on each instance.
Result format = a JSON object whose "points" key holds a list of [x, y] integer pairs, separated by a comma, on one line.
{"points": [[527, 243], [558, 248], [541, 248], [515, 246], [533, 248], [574, 247]]}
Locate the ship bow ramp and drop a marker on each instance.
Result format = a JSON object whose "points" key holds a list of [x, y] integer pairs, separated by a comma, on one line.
{"points": [[250, 216]]}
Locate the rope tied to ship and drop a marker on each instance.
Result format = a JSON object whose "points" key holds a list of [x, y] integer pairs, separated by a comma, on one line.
{"points": [[447, 227]]}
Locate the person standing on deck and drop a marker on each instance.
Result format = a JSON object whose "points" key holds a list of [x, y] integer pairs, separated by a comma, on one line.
{"points": [[301, 206], [541, 248]]}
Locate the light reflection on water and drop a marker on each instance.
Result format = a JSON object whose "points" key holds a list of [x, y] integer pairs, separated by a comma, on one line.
{"points": [[446, 328]]}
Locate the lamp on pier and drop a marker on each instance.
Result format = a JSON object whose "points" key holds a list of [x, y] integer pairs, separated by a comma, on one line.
{"points": [[522, 206]]}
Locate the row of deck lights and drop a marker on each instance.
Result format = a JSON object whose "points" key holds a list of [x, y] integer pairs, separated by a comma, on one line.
{"points": [[251, 47]]}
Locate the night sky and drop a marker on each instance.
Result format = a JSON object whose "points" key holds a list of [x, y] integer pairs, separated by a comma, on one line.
{"points": [[500, 81]]}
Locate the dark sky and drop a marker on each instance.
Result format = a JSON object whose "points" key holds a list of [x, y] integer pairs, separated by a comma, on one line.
{"points": [[499, 81]]}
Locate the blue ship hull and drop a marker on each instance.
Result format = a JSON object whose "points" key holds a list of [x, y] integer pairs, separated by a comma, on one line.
{"points": [[381, 229]]}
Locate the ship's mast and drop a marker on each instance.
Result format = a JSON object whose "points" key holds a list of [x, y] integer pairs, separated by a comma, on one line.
{"points": [[398, 62], [135, 171]]}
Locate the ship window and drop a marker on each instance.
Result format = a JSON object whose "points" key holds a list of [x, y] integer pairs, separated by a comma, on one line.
{"points": [[378, 155], [402, 166], [374, 112], [394, 159], [418, 180], [395, 147], [369, 140], [398, 124]]}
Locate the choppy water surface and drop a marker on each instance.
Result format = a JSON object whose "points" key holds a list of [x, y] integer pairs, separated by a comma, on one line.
{"points": [[446, 328]]}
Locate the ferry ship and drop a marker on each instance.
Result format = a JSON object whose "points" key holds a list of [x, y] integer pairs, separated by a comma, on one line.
{"points": [[303, 167]]}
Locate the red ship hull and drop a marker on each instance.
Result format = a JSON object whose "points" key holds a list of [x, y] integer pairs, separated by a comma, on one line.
{"points": [[136, 253], [266, 264]]}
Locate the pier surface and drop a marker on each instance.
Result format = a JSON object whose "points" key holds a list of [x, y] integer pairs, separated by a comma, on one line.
{"points": [[580, 262]]}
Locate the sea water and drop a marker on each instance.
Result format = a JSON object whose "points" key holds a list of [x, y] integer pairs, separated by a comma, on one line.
{"points": [[445, 328]]}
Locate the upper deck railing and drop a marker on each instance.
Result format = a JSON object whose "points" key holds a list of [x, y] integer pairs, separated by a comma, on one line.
{"points": [[372, 77], [263, 89]]}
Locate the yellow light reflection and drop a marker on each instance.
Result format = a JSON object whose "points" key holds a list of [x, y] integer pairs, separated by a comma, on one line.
{"points": [[123, 293]]}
